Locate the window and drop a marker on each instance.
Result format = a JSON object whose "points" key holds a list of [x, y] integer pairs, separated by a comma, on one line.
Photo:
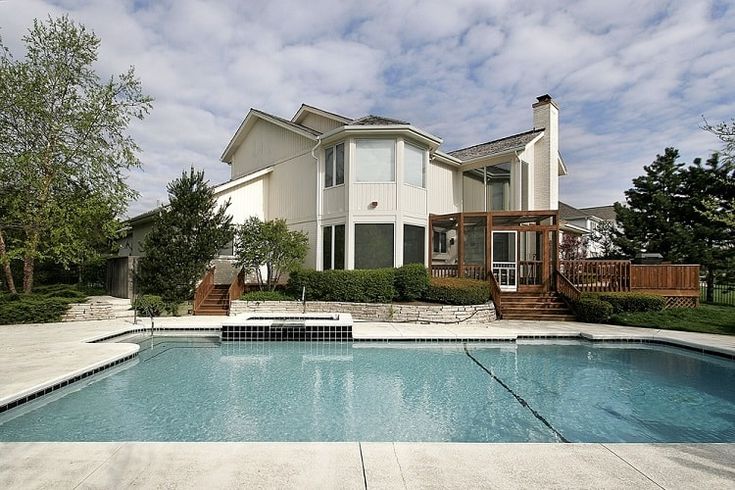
{"points": [[487, 188], [413, 244], [375, 161], [439, 242], [373, 246], [414, 166], [334, 165], [333, 249]]}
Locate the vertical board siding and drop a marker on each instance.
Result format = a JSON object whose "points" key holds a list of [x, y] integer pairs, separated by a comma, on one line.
{"points": [[413, 201], [292, 190], [334, 200], [361, 195], [443, 187], [265, 145], [320, 123], [665, 277]]}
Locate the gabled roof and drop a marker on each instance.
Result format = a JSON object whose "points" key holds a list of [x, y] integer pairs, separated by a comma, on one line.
{"points": [[502, 145], [569, 212], [603, 212], [371, 120], [306, 108], [248, 123]]}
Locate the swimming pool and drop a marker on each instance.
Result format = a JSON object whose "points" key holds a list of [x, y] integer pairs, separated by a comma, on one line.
{"points": [[198, 389]]}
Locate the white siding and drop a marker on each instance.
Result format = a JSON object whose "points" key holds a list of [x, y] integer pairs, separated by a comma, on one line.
{"points": [[246, 200], [310, 229], [292, 190], [361, 195], [334, 201], [320, 123], [444, 189], [266, 144], [413, 201]]}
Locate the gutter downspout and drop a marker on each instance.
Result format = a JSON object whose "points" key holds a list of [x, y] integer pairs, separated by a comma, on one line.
{"points": [[318, 210]]}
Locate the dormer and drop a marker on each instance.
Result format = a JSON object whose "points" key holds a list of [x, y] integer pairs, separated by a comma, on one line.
{"points": [[319, 119]]}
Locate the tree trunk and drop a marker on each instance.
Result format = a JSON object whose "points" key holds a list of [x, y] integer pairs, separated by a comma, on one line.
{"points": [[6, 265], [710, 285], [29, 262]]}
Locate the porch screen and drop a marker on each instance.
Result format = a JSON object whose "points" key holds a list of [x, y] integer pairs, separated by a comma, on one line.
{"points": [[373, 246], [413, 244]]}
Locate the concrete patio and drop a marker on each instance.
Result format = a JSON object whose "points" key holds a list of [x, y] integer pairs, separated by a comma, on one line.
{"points": [[25, 351]]}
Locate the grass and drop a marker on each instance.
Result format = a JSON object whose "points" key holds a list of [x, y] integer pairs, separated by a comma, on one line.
{"points": [[705, 319]]}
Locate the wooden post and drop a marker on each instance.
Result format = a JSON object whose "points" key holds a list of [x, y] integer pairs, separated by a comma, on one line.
{"points": [[460, 246], [430, 256], [488, 246]]}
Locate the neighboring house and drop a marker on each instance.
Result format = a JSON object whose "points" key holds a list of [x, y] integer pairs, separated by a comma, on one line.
{"points": [[380, 192], [584, 221]]}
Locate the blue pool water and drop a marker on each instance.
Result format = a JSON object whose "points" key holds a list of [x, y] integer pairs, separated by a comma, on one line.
{"points": [[194, 389]]}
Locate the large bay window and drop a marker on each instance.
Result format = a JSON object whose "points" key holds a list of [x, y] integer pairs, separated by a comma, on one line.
{"points": [[333, 249], [374, 244], [414, 166], [375, 160], [334, 165]]}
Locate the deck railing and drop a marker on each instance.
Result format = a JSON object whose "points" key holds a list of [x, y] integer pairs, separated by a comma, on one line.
{"points": [[204, 288], [444, 270], [474, 271], [666, 279], [530, 272], [597, 275]]}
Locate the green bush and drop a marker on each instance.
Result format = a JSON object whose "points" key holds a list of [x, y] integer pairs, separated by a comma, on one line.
{"points": [[624, 302], [455, 291], [150, 305], [354, 286], [411, 281], [266, 296], [592, 310], [32, 309]]}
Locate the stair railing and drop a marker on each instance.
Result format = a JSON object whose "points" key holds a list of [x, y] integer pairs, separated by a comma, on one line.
{"points": [[564, 286], [495, 293], [237, 287], [204, 288]]}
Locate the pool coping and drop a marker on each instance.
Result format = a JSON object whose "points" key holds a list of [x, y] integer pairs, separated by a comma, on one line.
{"points": [[32, 393]]}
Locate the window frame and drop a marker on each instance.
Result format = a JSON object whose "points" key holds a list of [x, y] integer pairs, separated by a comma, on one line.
{"points": [[442, 240], [333, 241], [332, 164], [393, 241], [424, 165]]}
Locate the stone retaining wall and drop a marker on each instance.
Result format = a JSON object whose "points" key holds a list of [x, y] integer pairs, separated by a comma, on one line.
{"points": [[470, 314], [93, 310]]}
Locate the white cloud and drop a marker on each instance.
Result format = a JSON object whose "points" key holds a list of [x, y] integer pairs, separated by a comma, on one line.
{"points": [[631, 76]]}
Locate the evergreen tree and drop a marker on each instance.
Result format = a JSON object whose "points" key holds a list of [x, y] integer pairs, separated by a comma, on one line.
{"points": [[652, 215], [187, 234]]}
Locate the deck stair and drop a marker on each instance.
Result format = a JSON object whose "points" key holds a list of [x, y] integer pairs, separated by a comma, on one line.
{"points": [[535, 306], [217, 301]]}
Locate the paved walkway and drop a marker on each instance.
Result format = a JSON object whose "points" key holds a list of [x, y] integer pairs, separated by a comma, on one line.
{"points": [[33, 356]]}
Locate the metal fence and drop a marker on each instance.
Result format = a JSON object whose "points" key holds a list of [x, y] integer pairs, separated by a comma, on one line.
{"points": [[723, 293]]}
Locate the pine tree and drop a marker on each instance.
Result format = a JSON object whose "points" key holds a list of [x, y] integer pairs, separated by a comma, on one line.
{"points": [[187, 234]]}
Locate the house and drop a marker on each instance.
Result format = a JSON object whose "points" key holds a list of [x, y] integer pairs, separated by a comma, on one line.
{"points": [[583, 222], [381, 192]]}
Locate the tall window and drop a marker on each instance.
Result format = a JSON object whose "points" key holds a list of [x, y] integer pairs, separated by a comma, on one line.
{"points": [[373, 246], [413, 244], [333, 250], [439, 242], [414, 166], [334, 165], [487, 188], [375, 161]]}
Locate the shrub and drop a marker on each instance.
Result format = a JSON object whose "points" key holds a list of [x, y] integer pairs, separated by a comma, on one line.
{"points": [[411, 281], [625, 302], [32, 309], [149, 305], [592, 310], [266, 296], [355, 286], [455, 291]]}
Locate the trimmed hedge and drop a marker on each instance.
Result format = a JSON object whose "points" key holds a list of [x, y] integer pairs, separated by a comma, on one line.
{"points": [[33, 309], [411, 281], [265, 296], [353, 286], [455, 291], [592, 310], [624, 302]]}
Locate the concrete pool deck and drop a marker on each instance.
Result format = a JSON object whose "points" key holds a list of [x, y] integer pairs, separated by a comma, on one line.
{"points": [[33, 356]]}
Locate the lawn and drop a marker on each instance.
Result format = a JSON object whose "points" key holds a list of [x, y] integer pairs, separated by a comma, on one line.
{"points": [[705, 318]]}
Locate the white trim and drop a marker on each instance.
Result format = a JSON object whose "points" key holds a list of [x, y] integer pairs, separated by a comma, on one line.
{"points": [[242, 180], [306, 108]]}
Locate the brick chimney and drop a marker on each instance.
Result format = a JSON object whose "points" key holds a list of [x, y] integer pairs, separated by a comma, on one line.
{"points": [[546, 158]]}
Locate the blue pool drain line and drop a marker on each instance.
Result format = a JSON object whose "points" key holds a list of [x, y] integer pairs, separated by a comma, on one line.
{"points": [[518, 397]]}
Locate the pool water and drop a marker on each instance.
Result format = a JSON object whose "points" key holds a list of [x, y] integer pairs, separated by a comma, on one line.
{"points": [[196, 389]]}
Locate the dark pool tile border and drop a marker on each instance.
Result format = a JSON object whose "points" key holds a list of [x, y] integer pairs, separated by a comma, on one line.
{"points": [[62, 384]]}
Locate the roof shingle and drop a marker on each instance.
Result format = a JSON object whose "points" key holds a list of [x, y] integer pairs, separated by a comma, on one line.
{"points": [[496, 146], [372, 120]]}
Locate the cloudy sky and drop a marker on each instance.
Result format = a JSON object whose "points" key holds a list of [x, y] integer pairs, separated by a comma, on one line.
{"points": [[631, 76]]}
